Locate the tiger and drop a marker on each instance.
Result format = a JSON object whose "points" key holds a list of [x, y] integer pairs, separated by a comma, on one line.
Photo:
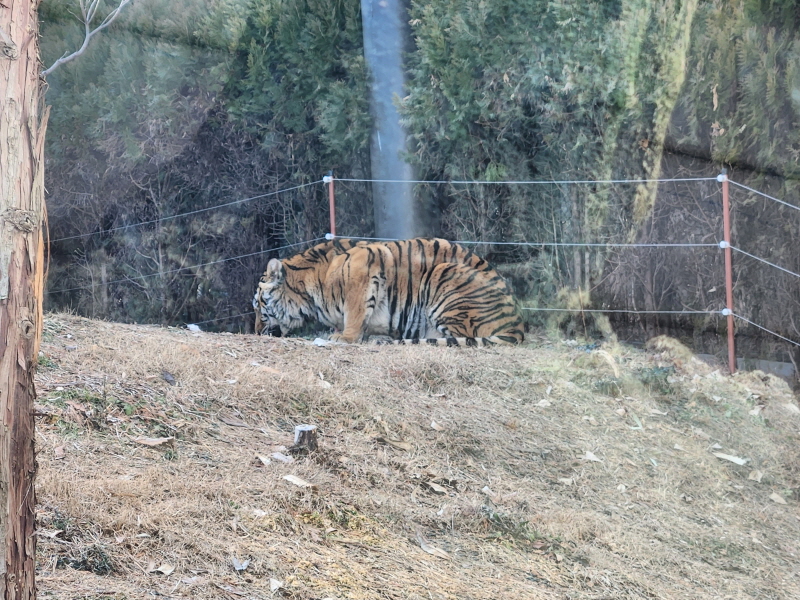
{"points": [[419, 290]]}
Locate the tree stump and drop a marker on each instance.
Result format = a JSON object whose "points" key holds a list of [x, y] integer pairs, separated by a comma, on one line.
{"points": [[305, 439]]}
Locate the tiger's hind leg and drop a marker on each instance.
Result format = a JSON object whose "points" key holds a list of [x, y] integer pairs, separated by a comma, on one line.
{"points": [[467, 303]]}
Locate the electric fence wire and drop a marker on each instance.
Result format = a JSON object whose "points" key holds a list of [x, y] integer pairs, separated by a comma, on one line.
{"points": [[587, 310], [540, 244], [612, 310], [766, 262], [532, 182], [186, 214], [740, 317], [741, 185], [213, 262], [304, 185], [461, 182], [248, 314]]}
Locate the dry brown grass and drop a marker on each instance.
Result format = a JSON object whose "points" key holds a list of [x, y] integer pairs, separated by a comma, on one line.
{"points": [[518, 505]]}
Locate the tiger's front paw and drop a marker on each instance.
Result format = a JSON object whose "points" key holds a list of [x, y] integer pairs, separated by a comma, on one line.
{"points": [[341, 338]]}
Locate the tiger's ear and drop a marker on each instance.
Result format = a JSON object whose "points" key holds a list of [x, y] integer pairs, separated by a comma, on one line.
{"points": [[274, 272]]}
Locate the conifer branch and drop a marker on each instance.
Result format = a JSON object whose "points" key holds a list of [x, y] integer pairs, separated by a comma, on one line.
{"points": [[88, 13]]}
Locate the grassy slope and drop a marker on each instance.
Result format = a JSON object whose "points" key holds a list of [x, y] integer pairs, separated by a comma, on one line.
{"points": [[505, 482]]}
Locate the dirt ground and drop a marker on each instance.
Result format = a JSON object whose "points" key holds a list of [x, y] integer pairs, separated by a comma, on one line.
{"points": [[552, 470]]}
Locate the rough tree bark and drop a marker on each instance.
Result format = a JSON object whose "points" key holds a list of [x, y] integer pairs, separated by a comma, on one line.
{"points": [[21, 281]]}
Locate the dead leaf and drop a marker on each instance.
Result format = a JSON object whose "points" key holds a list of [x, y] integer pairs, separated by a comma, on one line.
{"points": [[733, 459], [275, 585], [590, 456], [756, 476], [240, 565], [543, 403], [435, 426], [49, 533], [282, 457], [777, 498], [269, 370], [565, 480], [230, 589], [429, 548], [231, 420], [166, 569], [154, 441], [263, 459], [792, 408], [77, 406], [399, 444], [60, 452], [299, 482], [436, 488]]}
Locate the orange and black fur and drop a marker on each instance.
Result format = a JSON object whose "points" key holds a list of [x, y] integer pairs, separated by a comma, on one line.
{"points": [[428, 290]]}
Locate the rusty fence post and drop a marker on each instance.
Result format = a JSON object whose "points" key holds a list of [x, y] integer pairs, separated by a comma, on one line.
{"points": [[725, 244]]}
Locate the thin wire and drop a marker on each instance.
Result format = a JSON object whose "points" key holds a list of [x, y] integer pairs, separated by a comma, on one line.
{"points": [[766, 262], [638, 312], [213, 262], [221, 319], [589, 181], [767, 330], [589, 244], [765, 195], [538, 244], [192, 212]]}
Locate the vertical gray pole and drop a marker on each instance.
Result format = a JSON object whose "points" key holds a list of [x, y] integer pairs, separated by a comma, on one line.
{"points": [[386, 39]]}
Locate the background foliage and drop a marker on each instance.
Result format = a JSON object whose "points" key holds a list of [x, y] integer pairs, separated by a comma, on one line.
{"points": [[188, 104]]}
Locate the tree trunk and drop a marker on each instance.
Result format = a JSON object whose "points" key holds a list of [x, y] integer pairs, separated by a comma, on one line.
{"points": [[21, 283], [386, 38]]}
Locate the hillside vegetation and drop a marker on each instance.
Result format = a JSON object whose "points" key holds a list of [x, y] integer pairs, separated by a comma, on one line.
{"points": [[552, 470], [186, 104]]}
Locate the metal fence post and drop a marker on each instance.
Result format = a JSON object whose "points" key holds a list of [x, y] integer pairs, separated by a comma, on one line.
{"points": [[726, 246], [331, 202]]}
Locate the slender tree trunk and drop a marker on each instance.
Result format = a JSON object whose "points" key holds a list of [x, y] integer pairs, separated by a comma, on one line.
{"points": [[386, 38], [21, 283]]}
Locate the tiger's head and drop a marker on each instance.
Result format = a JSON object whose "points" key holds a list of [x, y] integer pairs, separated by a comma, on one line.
{"points": [[278, 307]]}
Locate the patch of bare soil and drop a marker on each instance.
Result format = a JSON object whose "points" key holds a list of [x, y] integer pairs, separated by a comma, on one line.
{"points": [[544, 471]]}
